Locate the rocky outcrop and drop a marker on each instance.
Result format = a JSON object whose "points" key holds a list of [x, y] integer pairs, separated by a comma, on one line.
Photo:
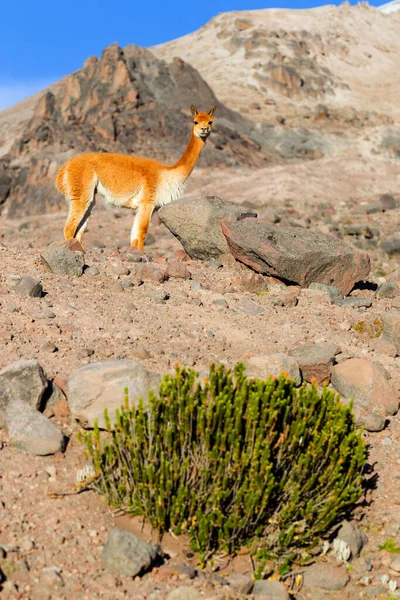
{"points": [[197, 224], [295, 255], [127, 101]]}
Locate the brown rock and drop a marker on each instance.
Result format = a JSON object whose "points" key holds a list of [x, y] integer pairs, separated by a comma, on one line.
{"points": [[368, 383], [153, 272], [178, 269], [295, 254], [325, 576], [315, 360]]}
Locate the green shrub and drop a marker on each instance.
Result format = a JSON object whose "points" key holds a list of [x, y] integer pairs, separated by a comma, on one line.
{"points": [[234, 462]]}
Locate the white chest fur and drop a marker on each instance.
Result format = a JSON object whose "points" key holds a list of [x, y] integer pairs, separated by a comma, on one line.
{"points": [[171, 188]]}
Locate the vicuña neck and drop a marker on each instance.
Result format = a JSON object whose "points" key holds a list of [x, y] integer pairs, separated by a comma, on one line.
{"points": [[186, 163]]}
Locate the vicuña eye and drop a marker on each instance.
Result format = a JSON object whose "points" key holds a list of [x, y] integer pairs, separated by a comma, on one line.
{"points": [[210, 122], [196, 122]]}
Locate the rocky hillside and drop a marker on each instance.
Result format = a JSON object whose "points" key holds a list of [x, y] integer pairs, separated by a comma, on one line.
{"points": [[289, 85], [269, 62], [132, 102]]}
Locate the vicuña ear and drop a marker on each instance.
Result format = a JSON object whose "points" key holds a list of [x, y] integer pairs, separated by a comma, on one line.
{"points": [[212, 111], [194, 111]]}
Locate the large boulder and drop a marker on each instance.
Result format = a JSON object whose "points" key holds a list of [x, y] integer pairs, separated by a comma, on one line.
{"points": [[100, 385], [197, 224], [294, 254], [368, 383]]}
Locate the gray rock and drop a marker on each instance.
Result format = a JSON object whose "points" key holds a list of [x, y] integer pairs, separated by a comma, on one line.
{"points": [[356, 302], [25, 380], [391, 327], [295, 254], [315, 360], [386, 202], [29, 287], [263, 365], [125, 554], [391, 244], [92, 271], [62, 260], [197, 224], [92, 388], [369, 420], [388, 289], [270, 590], [354, 538], [240, 583], [323, 575], [30, 431], [251, 308], [395, 564], [333, 292], [184, 592], [376, 591], [368, 383]]}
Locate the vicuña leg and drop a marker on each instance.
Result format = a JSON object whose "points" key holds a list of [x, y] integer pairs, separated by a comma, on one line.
{"points": [[141, 225], [80, 189]]}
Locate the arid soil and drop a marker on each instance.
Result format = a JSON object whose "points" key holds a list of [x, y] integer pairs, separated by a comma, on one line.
{"points": [[306, 133], [193, 322]]}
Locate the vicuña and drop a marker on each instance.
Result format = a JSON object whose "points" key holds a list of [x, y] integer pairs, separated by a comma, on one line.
{"points": [[130, 181]]}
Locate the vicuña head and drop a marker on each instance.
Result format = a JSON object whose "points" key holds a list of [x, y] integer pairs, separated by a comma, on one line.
{"points": [[130, 181]]}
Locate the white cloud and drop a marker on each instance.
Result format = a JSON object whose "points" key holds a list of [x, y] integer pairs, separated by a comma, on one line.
{"points": [[12, 92]]}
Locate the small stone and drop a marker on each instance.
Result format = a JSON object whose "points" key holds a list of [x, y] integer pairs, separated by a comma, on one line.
{"points": [[184, 593], [396, 302], [127, 284], [270, 590], [159, 297], [326, 577], [29, 287], [264, 365], [141, 353], [315, 360], [395, 564], [31, 432], [23, 380], [334, 294], [387, 441], [48, 347], [125, 554], [368, 420], [354, 538], [92, 271], [388, 289], [220, 302], [64, 258], [250, 308], [120, 270], [178, 270], [356, 302], [47, 314], [243, 584], [153, 272]]}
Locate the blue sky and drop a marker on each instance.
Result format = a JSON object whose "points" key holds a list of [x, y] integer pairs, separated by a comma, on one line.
{"points": [[42, 41]]}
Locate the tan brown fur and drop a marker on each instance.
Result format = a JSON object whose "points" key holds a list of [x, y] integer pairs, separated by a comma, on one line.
{"points": [[129, 181]]}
